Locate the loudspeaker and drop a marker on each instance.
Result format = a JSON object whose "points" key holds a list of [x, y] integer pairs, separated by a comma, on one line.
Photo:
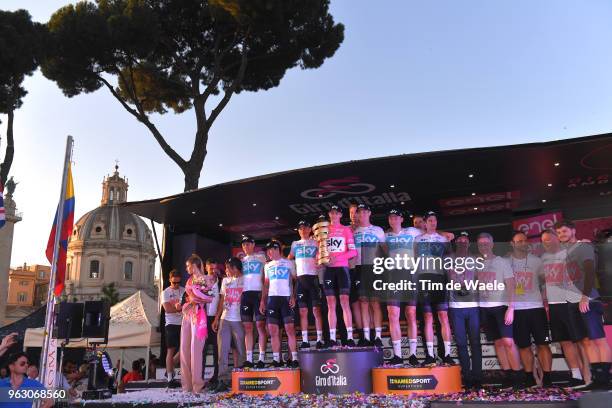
{"points": [[96, 321], [69, 321]]}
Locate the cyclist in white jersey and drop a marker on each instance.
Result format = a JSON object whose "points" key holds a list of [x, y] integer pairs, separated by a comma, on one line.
{"points": [[252, 269], [400, 241], [370, 243], [304, 252], [432, 245], [277, 302]]}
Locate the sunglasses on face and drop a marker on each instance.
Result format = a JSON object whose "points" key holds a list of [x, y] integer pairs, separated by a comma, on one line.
{"points": [[23, 363]]}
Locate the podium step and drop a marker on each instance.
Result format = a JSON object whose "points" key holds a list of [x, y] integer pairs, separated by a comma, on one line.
{"points": [[259, 382], [434, 380]]}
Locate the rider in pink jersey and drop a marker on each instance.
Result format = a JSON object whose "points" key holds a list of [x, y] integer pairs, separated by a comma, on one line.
{"points": [[341, 247]]}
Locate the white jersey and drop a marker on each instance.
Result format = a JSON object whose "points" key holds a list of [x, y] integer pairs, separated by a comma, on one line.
{"points": [[305, 253], [252, 270], [432, 245], [279, 274], [402, 243], [495, 269], [174, 296], [367, 242], [527, 294]]}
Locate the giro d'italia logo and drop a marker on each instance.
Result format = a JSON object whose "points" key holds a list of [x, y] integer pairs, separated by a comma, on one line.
{"points": [[330, 188], [330, 367]]}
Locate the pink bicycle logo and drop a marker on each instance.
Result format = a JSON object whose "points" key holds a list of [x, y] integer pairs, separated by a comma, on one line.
{"points": [[329, 188], [330, 366]]}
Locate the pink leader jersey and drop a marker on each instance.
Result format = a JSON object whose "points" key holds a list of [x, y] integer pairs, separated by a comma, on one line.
{"points": [[341, 245]]}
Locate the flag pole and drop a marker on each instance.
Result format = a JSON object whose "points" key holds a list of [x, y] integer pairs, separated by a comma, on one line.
{"points": [[48, 329]]}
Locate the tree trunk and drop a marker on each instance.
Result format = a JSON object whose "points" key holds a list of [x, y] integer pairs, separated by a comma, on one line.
{"points": [[10, 149]]}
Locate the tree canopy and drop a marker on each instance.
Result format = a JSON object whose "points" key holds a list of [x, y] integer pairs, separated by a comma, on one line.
{"points": [[21, 42], [156, 56]]}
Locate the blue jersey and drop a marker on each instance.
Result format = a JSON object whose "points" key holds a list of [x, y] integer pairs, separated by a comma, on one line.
{"points": [[279, 274], [402, 243]]}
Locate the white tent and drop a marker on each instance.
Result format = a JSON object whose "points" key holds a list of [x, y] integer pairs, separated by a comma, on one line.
{"points": [[133, 323]]}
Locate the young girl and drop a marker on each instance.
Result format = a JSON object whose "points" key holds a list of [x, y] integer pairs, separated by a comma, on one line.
{"points": [[194, 328], [228, 322]]}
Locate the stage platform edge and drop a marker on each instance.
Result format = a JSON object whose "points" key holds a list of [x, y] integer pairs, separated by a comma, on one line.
{"points": [[405, 381], [260, 382]]}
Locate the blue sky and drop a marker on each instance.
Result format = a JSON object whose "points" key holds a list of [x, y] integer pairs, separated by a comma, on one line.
{"points": [[411, 76]]}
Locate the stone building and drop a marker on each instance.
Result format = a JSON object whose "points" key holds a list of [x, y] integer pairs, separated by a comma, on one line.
{"points": [[110, 244]]}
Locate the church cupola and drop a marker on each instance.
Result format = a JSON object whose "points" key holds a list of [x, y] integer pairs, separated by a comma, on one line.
{"points": [[114, 189]]}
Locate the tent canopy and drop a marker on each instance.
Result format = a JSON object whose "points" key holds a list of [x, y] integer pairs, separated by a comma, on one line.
{"points": [[468, 186], [133, 323]]}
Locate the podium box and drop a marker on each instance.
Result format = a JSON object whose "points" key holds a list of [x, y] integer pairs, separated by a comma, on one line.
{"points": [[260, 382], [434, 380], [338, 371]]}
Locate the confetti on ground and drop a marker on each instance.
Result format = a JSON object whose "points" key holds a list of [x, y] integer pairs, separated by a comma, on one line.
{"points": [[150, 396]]}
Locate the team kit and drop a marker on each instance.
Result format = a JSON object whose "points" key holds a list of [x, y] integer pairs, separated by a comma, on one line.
{"points": [[519, 299]]}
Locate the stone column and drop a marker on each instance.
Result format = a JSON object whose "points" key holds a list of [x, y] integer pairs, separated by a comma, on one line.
{"points": [[6, 246]]}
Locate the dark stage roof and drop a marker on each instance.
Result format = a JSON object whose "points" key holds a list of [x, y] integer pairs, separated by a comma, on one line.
{"points": [[484, 185]]}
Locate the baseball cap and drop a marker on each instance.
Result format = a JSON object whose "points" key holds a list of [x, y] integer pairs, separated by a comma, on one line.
{"points": [[273, 244], [303, 223], [247, 238], [464, 234], [335, 208], [363, 207], [396, 212], [430, 214]]}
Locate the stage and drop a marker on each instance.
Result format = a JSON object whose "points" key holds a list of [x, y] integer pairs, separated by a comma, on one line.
{"points": [[175, 398]]}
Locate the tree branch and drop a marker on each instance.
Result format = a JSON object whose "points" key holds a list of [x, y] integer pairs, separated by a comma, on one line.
{"points": [[145, 120], [10, 149], [228, 94]]}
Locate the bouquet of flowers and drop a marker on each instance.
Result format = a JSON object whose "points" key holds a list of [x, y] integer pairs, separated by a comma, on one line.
{"points": [[199, 289]]}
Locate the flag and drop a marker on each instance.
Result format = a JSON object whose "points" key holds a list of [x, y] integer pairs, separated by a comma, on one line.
{"points": [[65, 231], [2, 212]]}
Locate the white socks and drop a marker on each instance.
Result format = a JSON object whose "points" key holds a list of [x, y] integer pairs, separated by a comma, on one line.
{"points": [[413, 346], [276, 357], [294, 355], [366, 333], [320, 335], [397, 347], [262, 355], [349, 333], [429, 348], [305, 336], [447, 349], [332, 334], [576, 373], [378, 331], [249, 356]]}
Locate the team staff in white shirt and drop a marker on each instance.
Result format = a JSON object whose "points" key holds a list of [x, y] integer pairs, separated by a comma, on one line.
{"points": [[171, 301]]}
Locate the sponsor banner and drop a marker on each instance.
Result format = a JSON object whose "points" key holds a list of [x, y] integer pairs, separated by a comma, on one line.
{"points": [[480, 208], [272, 382], [439, 380], [338, 372], [590, 229], [533, 226], [480, 199]]}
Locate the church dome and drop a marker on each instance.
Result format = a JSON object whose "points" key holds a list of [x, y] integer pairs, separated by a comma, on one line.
{"points": [[110, 245], [112, 222]]}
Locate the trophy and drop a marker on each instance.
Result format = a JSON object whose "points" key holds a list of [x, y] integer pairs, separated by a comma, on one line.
{"points": [[320, 233]]}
